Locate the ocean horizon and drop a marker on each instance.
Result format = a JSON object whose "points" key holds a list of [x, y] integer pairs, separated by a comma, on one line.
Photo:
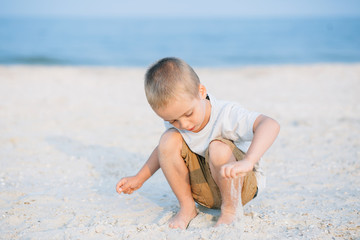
{"points": [[202, 42]]}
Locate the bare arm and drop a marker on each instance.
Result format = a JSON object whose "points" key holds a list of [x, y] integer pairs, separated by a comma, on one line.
{"points": [[130, 184], [150, 167], [265, 130]]}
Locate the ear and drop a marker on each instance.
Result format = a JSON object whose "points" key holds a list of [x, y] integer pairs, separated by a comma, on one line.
{"points": [[202, 91]]}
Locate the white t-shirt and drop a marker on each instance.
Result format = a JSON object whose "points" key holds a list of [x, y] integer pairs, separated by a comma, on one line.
{"points": [[230, 121]]}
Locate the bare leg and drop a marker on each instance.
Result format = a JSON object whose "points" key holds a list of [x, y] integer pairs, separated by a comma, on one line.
{"points": [[177, 175], [230, 189]]}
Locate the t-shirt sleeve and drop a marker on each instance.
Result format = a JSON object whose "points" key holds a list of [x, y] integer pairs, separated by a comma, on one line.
{"points": [[168, 125], [238, 123]]}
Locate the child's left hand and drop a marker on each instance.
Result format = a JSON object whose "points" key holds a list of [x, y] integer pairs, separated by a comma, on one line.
{"points": [[236, 169]]}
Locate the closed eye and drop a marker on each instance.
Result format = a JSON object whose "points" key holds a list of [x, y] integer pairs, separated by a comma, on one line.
{"points": [[189, 115]]}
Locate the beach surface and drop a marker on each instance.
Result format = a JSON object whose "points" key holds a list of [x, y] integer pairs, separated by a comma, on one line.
{"points": [[68, 134]]}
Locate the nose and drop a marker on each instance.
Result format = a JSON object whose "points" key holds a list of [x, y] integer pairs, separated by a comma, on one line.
{"points": [[184, 124]]}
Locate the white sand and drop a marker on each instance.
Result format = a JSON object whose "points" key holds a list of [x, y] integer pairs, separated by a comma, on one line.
{"points": [[67, 135]]}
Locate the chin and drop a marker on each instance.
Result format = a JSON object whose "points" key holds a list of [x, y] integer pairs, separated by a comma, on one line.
{"points": [[195, 130]]}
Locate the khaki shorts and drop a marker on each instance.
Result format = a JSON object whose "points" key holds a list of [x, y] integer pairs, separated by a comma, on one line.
{"points": [[203, 187]]}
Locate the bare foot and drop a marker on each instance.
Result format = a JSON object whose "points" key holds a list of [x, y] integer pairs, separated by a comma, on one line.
{"points": [[225, 218], [182, 219]]}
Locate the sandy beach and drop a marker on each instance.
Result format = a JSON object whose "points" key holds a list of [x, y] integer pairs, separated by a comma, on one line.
{"points": [[68, 134]]}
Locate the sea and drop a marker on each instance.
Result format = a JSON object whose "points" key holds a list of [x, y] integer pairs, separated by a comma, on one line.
{"points": [[202, 42]]}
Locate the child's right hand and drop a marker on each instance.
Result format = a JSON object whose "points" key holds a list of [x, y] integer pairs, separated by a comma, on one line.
{"points": [[236, 169], [128, 185]]}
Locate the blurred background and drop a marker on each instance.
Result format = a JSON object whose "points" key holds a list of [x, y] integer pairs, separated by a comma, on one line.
{"points": [[224, 33]]}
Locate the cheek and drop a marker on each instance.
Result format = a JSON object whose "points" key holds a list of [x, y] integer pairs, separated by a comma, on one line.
{"points": [[176, 124], [199, 116], [203, 111]]}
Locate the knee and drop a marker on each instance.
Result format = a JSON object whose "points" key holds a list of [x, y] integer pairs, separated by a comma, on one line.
{"points": [[219, 153], [170, 142]]}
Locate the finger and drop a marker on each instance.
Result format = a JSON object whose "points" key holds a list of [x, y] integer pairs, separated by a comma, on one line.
{"points": [[223, 171], [129, 191], [118, 187], [233, 173], [228, 172], [241, 174], [121, 186]]}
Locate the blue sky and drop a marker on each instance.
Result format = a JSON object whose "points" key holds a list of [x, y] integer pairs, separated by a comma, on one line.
{"points": [[184, 8]]}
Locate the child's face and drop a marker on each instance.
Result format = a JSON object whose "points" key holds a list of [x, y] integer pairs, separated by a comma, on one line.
{"points": [[186, 113]]}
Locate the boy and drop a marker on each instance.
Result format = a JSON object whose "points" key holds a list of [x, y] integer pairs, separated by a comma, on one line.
{"points": [[210, 150]]}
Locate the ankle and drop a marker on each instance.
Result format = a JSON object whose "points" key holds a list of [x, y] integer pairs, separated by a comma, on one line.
{"points": [[188, 210], [190, 204], [229, 209]]}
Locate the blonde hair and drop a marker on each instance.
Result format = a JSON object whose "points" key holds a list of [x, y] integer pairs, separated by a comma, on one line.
{"points": [[168, 77]]}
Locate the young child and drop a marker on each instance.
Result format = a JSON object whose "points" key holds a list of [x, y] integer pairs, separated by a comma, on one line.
{"points": [[211, 149]]}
